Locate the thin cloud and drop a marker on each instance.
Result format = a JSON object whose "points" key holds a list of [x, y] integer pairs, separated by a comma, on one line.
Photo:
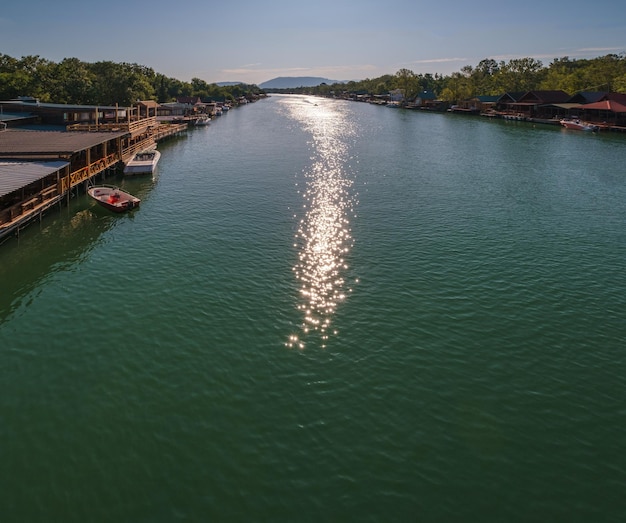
{"points": [[439, 60], [599, 49]]}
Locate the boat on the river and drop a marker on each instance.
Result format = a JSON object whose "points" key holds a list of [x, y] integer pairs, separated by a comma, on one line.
{"points": [[578, 125], [113, 198], [202, 120], [143, 162]]}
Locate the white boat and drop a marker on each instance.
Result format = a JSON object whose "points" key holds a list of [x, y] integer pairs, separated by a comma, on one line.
{"points": [[113, 198], [519, 117], [202, 120], [144, 162], [579, 125]]}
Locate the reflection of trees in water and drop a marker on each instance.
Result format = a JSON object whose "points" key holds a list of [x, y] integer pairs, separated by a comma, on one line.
{"points": [[56, 243]]}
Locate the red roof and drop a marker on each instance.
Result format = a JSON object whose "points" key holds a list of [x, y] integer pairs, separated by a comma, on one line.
{"points": [[606, 105]]}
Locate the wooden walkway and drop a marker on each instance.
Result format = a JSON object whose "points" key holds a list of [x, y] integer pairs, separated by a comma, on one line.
{"points": [[21, 213]]}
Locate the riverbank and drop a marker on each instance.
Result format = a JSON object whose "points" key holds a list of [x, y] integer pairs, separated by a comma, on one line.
{"points": [[43, 163], [604, 110]]}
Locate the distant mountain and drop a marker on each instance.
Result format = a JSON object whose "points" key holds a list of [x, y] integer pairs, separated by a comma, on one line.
{"points": [[291, 82], [226, 84]]}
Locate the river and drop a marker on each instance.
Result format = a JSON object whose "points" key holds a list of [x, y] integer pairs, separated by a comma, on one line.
{"points": [[326, 311]]}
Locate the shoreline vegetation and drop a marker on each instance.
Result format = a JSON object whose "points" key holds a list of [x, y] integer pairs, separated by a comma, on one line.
{"points": [[73, 81], [492, 78]]}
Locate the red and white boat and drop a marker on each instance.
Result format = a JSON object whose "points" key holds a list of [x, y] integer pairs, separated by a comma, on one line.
{"points": [[579, 125], [113, 198]]}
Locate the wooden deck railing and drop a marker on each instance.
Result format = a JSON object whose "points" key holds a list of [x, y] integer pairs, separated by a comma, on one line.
{"points": [[31, 205], [136, 147], [87, 172], [131, 127], [164, 130]]}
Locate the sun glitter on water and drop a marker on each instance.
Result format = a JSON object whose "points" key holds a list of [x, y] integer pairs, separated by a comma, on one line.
{"points": [[323, 237]]}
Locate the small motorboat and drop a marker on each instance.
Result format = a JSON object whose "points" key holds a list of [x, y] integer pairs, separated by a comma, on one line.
{"points": [[202, 120], [579, 125], [143, 162], [113, 198]]}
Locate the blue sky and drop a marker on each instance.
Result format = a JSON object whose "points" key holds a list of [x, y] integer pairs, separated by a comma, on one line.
{"points": [[255, 41]]}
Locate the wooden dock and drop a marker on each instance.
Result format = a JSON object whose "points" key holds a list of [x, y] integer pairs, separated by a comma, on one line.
{"points": [[89, 150]]}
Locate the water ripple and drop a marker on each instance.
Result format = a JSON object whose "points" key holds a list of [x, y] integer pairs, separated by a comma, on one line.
{"points": [[323, 237]]}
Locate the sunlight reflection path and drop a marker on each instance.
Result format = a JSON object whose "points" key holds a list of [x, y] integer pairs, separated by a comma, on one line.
{"points": [[324, 237]]}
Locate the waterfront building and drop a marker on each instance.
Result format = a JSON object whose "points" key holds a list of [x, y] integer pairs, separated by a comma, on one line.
{"points": [[48, 149]]}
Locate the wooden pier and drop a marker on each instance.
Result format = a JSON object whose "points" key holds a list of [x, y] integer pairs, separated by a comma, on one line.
{"points": [[86, 150]]}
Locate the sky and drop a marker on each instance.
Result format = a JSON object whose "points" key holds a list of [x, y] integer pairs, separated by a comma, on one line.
{"points": [[255, 41]]}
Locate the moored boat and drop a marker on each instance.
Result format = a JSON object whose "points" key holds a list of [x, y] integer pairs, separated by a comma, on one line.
{"points": [[113, 198], [202, 120], [143, 162], [579, 125]]}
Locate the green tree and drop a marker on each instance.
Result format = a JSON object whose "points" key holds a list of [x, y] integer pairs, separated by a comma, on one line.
{"points": [[427, 82], [457, 87], [19, 77], [122, 83], [483, 77], [199, 88], [602, 71], [161, 85], [407, 81], [522, 74], [71, 82], [619, 83]]}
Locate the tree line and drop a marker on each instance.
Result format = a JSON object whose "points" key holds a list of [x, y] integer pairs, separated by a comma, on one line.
{"points": [[72, 81], [492, 78]]}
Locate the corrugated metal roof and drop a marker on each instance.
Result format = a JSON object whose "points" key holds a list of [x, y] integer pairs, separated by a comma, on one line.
{"points": [[7, 117], [15, 175], [46, 143]]}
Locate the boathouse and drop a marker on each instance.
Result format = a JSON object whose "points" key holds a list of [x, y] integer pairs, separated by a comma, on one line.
{"points": [[476, 105], [609, 110], [52, 114], [38, 169], [70, 145], [530, 103]]}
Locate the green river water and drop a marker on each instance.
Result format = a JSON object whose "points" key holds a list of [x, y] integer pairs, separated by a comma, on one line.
{"points": [[326, 311]]}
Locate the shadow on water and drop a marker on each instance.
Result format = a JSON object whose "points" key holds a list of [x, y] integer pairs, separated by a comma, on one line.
{"points": [[56, 243]]}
